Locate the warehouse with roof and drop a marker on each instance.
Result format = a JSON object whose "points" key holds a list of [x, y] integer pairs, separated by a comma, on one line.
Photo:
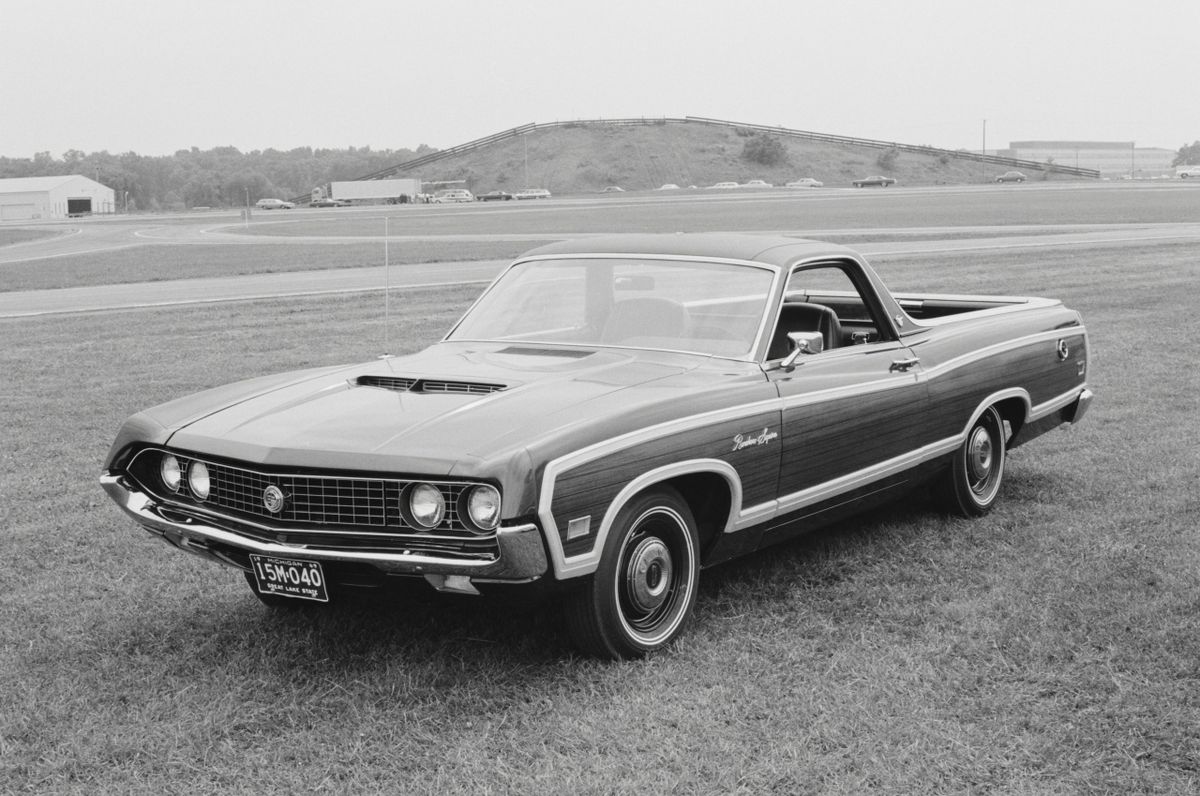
{"points": [[67, 196]]}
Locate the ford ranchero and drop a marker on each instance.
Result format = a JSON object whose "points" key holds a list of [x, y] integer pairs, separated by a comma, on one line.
{"points": [[612, 415]]}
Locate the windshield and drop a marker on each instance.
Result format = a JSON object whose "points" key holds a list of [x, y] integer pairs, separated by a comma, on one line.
{"points": [[678, 305]]}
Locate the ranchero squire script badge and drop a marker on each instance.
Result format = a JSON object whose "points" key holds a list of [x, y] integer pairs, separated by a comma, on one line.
{"points": [[273, 499]]}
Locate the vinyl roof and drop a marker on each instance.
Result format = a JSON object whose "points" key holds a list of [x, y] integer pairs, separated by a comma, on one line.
{"points": [[769, 249]]}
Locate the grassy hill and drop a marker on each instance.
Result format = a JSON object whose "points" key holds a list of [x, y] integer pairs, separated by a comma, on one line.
{"points": [[586, 157]]}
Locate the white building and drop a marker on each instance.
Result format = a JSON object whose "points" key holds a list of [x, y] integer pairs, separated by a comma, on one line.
{"points": [[1110, 158], [26, 198]]}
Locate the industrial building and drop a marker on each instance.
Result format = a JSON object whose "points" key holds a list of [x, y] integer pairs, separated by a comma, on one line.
{"points": [[1111, 158], [29, 198]]}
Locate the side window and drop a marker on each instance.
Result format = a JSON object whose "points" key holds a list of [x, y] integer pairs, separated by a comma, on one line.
{"points": [[824, 299]]}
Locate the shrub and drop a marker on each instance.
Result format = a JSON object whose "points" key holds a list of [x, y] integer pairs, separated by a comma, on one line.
{"points": [[887, 159], [764, 150]]}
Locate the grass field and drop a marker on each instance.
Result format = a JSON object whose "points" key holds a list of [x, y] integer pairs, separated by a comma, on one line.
{"points": [[1050, 647], [11, 235], [166, 262]]}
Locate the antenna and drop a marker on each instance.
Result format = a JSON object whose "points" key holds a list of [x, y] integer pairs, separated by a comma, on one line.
{"points": [[387, 292]]}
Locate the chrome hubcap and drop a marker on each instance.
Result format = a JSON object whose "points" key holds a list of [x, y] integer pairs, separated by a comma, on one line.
{"points": [[980, 455], [648, 575]]}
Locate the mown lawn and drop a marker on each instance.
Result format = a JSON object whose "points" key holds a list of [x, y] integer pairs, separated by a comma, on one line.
{"points": [[156, 263], [11, 235], [1050, 647]]}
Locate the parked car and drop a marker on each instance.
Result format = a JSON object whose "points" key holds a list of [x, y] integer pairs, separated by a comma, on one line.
{"points": [[327, 202], [612, 415], [532, 193], [670, 186], [756, 184], [1011, 176], [452, 196], [805, 182], [613, 189], [1188, 172], [273, 204], [724, 185], [877, 180], [495, 196]]}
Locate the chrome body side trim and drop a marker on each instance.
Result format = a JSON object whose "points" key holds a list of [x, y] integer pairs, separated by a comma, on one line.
{"points": [[742, 518], [846, 483], [588, 562], [999, 348], [1081, 394]]}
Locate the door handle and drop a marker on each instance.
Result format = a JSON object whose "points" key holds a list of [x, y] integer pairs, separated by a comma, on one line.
{"points": [[902, 365]]}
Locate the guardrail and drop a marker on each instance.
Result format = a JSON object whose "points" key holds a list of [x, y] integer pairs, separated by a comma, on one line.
{"points": [[961, 154]]}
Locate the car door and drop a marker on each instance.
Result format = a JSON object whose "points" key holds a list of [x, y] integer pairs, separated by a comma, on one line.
{"points": [[850, 416], [854, 415]]}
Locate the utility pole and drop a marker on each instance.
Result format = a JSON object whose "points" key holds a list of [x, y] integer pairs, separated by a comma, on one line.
{"points": [[983, 150]]}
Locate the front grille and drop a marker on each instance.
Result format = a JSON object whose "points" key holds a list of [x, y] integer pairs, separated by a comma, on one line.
{"points": [[313, 500], [325, 510]]}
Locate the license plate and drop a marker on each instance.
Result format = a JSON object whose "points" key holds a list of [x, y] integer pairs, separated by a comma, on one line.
{"points": [[290, 577]]}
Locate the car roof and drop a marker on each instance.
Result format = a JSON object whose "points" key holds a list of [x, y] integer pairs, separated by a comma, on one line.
{"points": [[767, 249]]}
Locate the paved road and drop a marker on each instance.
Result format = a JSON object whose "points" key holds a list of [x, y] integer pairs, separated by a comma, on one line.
{"points": [[241, 288], [1114, 209], [351, 280]]}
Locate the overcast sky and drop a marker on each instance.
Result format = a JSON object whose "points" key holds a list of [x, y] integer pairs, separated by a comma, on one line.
{"points": [[157, 76]]}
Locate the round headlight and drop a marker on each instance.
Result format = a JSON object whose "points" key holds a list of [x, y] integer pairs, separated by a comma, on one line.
{"points": [[168, 470], [483, 507], [426, 505], [198, 480]]}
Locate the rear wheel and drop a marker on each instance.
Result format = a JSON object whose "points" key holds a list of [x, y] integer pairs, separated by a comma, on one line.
{"points": [[641, 595], [972, 484]]}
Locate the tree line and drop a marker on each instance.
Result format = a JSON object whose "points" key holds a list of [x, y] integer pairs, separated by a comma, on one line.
{"points": [[1188, 155], [218, 177]]}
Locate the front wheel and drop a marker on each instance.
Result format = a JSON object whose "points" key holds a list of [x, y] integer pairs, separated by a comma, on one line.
{"points": [[972, 484], [641, 595]]}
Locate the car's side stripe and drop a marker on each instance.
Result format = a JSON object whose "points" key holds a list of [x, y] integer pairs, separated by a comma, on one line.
{"points": [[744, 518], [1000, 348]]}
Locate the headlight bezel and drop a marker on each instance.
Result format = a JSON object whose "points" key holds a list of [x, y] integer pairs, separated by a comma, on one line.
{"points": [[485, 498], [199, 480], [170, 472], [424, 518]]}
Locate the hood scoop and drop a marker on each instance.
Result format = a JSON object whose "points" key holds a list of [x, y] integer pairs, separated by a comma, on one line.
{"points": [[438, 386], [526, 351]]}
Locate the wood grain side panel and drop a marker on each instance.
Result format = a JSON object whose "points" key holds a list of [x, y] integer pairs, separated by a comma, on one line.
{"points": [[590, 488], [827, 440], [1035, 368]]}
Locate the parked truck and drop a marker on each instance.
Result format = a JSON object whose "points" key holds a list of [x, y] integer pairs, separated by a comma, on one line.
{"points": [[399, 191]]}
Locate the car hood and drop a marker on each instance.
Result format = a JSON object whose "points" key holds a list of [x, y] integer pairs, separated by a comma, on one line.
{"points": [[453, 409]]}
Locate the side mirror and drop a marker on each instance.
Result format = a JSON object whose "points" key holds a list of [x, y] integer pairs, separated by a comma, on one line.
{"points": [[803, 344]]}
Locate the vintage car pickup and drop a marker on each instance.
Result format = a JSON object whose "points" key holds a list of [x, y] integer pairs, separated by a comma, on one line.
{"points": [[611, 416]]}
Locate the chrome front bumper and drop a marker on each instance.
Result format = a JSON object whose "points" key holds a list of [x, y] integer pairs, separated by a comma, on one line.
{"points": [[522, 555]]}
